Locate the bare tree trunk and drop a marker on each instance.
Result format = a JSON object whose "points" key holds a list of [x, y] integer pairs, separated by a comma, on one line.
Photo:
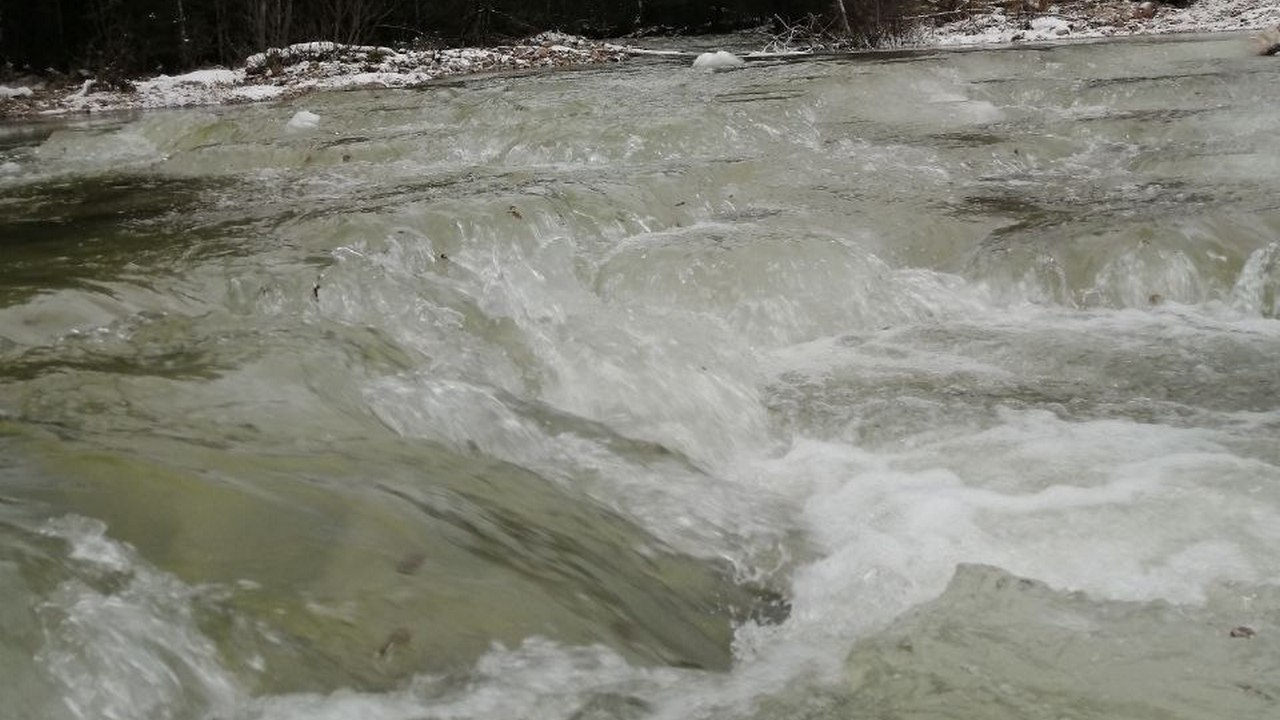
{"points": [[220, 32], [273, 23], [354, 31], [184, 39], [843, 17], [286, 23], [260, 23]]}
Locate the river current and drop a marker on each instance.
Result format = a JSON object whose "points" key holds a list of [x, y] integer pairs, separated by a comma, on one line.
{"points": [[920, 385]]}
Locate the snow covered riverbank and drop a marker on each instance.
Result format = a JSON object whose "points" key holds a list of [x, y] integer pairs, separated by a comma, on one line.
{"points": [[1103, 18], [302, 68]]}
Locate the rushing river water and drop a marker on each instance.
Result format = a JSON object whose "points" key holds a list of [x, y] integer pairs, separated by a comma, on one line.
{"points": [[943, 385]]}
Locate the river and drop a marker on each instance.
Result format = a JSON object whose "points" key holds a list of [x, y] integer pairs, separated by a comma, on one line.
{"points": [[913, 385]]}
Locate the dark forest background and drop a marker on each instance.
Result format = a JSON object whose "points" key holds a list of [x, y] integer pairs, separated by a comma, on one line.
{"points": [[139, 36]]}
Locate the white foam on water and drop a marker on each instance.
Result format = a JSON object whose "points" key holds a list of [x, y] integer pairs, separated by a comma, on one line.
{"points": [[133, 651], [1080, 507], [602, 375], [78, 149], [539, 679], [1122, 509], [1125, 508], [108, 146], [655, 376], [1257, 290]]}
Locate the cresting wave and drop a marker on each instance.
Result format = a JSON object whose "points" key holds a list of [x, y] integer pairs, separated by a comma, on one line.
{"points": [[826, 389]]}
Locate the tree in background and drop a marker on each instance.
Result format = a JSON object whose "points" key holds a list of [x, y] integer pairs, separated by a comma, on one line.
{"points": [[138, 36]]}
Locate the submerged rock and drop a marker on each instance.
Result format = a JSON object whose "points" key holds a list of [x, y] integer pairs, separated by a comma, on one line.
{"points": [[345, 582], [994, 645], [1268, 41]]}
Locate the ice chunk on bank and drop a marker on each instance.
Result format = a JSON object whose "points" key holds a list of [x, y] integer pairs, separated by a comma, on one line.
{"points": [[718, 60], [303, 120], [14, 92]]}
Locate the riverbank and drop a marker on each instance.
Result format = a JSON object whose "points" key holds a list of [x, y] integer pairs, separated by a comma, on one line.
{"points": [[299, 69], [1106, 18]]}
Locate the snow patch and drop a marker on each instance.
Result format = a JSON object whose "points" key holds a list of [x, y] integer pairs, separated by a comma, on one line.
{"points": [[14, 92], [216, 76], [256, 93], [1104, 19]]}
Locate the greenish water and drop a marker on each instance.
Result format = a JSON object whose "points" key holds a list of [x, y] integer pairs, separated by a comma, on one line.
{"points": [[937, 385]]}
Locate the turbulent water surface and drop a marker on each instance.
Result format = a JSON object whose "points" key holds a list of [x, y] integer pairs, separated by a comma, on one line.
{"points": [[943, 385]]}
